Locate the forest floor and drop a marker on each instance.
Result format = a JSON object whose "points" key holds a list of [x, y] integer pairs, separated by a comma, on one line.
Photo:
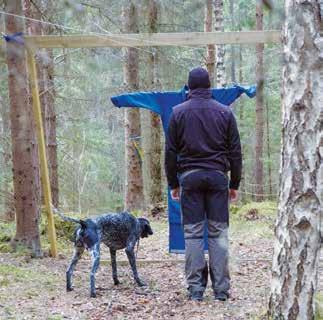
{"points": [[35, 288]]}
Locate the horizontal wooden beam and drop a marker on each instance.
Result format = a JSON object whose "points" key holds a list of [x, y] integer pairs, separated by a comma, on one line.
{"points": [[154, 39]]}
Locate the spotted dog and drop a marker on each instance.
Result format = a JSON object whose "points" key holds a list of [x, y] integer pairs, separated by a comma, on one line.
{"points": [[117, 231]]}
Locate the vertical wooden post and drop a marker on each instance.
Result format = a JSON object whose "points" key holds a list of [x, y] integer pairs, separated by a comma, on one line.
{"points": [[42, 150]]}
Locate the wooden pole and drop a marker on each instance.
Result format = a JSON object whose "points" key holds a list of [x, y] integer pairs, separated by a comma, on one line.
{"points": [[153, 39], [42, 150]]}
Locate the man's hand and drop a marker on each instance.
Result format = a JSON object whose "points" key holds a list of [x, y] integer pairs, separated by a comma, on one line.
{"points": [[233, 195], [175, 194]]}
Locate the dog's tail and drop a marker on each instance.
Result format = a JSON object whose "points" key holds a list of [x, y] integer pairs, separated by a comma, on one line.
{"points": [[65, 218]]}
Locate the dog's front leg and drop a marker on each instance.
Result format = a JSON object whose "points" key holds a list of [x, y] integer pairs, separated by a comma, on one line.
{"points": [[78, 251], [132, 260], [95, 254], [114, 267]]}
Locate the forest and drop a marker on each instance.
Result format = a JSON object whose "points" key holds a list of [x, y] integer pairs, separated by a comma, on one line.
{"points": [[65, 145]]}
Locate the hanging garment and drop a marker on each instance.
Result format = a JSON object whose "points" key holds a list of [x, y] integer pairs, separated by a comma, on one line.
{"points": [[163, 103]]}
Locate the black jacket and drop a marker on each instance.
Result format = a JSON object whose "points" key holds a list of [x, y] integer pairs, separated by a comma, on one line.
{"points": [[202, 134]]}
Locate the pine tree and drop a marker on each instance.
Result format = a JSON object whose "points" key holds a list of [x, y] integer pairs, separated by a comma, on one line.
{"points": [[134, 195], [24, 145]]}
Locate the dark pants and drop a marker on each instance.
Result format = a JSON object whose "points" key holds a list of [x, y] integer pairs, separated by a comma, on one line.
{"points": [[204, 200]]}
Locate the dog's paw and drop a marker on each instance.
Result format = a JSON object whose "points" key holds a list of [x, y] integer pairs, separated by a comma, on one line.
{"points": [[69, 289], [116, 282], [93, 295]]}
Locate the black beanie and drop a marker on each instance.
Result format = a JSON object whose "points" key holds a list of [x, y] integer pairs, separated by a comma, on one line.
{"points": [[198, 78]]}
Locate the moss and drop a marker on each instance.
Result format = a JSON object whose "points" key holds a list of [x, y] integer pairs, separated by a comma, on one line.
{"points": [[262, 227], [234, 209], [319, 306], [265, 209], [7, 231], [6, 248], [64, 229], [11, 273]]}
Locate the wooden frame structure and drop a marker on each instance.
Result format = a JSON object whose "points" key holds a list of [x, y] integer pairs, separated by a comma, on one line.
{"points": [[116, 40]]}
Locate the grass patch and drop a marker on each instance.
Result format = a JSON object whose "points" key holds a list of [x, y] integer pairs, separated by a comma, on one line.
{"points": [[262, 227], [319, 305], [7, 231], [266, 209]]}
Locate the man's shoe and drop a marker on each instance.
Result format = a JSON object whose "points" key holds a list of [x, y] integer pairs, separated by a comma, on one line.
{"points": [[196, 296], [221, 296]]}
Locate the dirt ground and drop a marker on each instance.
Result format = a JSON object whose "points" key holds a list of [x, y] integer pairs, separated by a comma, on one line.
{"points": [[35, 288]]}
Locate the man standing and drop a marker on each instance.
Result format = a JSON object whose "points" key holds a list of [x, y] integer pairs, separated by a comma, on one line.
{"points": [[202, 145]]}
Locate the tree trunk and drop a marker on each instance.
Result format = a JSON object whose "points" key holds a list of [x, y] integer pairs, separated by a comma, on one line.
{"points": [[259, 170], [210, 49], [45, 71], [24, 145], [241, 120], [50, 118], [50, 123], [155, 190], [297, 244], [220, 49], [241, 125], [270, 191], [134, 195], [233, 66]]}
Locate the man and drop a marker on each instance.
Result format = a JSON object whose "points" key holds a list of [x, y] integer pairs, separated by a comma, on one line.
{"points": [[202, 145]]}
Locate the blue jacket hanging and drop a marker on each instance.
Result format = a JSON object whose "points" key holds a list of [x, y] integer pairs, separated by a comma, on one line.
{"points": [[163, 103]]}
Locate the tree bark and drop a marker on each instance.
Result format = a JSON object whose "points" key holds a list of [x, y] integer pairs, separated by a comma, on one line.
{"points": [[270, 191], [24, 145], [241, 125], [259, 170], [210, 49], [51, 124], [155, 149], [134, 195], [50, 118], [297, 244], [220, 49], [45, 71], [241, 118], [233, 65]]}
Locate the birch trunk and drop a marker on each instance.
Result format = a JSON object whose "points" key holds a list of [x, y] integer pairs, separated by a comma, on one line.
{"points": [[134, 194], [296, 249], [259, 169], [220, 49], [210, 49], [24, 145]]}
